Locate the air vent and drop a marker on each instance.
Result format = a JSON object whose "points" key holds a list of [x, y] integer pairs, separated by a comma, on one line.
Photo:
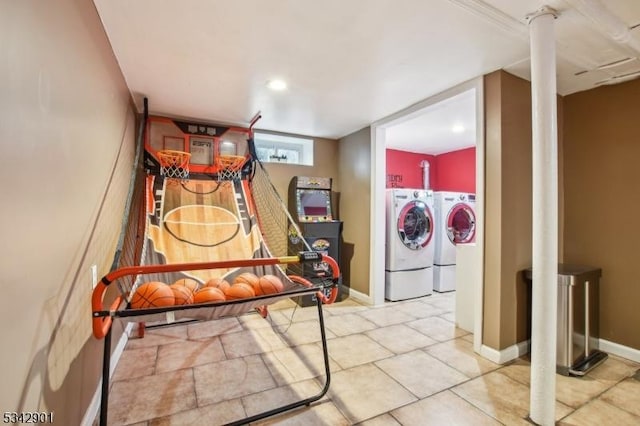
{"points": [[619, 78], [614, 64]]}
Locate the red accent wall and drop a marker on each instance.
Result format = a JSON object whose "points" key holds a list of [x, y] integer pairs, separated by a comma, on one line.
{"points": [[404, 171], [456, 171], [452, 171]]}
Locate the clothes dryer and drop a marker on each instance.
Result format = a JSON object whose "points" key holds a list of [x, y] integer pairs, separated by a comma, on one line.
{"points": [[409, 244], [455, 224]]}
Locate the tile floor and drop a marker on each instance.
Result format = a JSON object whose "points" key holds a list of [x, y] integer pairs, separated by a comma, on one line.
{"points": [[404, 363]]}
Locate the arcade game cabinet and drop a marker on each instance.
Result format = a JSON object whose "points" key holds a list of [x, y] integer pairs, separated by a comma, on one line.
{"points": [[310, 206]]}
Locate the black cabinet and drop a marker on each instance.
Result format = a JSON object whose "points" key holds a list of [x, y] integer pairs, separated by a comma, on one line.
{"points": [[323, 237]]}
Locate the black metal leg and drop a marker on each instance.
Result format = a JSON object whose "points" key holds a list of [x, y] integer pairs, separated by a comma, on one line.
{"points": [[106, 361], [306, 401], [325, 352]]}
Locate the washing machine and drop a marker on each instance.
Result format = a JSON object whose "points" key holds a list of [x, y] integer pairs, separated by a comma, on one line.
{"points": [[455, 221], [409, 244]]}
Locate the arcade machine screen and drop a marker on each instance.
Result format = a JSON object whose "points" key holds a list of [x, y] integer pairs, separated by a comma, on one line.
{"points": [[314, 205]]}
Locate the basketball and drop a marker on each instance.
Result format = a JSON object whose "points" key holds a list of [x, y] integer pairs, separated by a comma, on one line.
{"points": [[209, 294], [240, 291], [218, 282], [189, 283], [270, 284], [151, 295], [251, 279], [182, 294]]}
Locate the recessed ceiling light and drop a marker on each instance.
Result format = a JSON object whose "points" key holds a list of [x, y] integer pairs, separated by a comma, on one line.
{"points": [[277, 85], [457, 128]]}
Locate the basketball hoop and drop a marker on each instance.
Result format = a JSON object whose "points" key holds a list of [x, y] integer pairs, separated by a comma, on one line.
{"points": [[230, 166], [174, 164]]}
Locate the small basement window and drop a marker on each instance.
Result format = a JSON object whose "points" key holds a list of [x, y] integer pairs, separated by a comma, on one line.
{"points": [[283, 149]]}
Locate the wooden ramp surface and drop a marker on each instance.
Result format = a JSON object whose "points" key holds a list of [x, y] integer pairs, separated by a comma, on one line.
{"points": [[203, 220]]}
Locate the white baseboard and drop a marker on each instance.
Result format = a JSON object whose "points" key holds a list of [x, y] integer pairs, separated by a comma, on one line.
{"points": [[521, 348], [491, 354], [619, 350], [507, 354], [92, 411], [360, 297]]}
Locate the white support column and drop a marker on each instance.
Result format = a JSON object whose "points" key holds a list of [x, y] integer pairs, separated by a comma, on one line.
{"points": [[545, 216]]}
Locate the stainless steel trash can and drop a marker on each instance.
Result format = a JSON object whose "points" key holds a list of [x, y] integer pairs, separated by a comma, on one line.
{"points": [[577, 349]]}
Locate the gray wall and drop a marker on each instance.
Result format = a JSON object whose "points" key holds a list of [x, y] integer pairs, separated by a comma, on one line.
{"points": [[66, 123]]}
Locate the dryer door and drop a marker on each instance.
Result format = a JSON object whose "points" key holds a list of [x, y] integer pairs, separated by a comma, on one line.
{"points": [[461, 224], [415, 225]]}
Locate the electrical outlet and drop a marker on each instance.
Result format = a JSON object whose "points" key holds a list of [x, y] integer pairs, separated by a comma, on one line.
{"points": [[94, 276]]}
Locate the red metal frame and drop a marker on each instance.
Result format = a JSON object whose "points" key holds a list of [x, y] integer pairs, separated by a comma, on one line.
{"points": [[102, 323], [254, 120]]}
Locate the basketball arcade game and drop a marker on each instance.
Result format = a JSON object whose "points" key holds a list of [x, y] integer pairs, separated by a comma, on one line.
{"points": [[263, 218]]}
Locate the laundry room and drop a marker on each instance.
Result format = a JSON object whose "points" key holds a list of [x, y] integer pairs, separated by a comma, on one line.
{"points": [[430, 160]]}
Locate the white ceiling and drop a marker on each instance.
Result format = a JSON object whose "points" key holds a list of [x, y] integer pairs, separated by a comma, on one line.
{"points": [[445, 126], [347, 63]]}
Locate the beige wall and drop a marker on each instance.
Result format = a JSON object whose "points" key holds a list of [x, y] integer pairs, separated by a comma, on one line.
{"points": [[325, 164], [493, 210], [508, 208], [602, 201], [354, 170], [598, 147], [64, 115]]}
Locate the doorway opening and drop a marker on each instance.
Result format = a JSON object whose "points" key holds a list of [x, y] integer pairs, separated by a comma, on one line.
{"points": [[414, 129]]}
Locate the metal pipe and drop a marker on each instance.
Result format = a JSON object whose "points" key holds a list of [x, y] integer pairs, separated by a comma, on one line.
{"points": [[425, 174], [587, 319], [545, 216]]}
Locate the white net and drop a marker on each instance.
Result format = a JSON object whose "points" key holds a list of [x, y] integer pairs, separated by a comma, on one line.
{"points": [[230, 167], [174, 164], [280, 233]]}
